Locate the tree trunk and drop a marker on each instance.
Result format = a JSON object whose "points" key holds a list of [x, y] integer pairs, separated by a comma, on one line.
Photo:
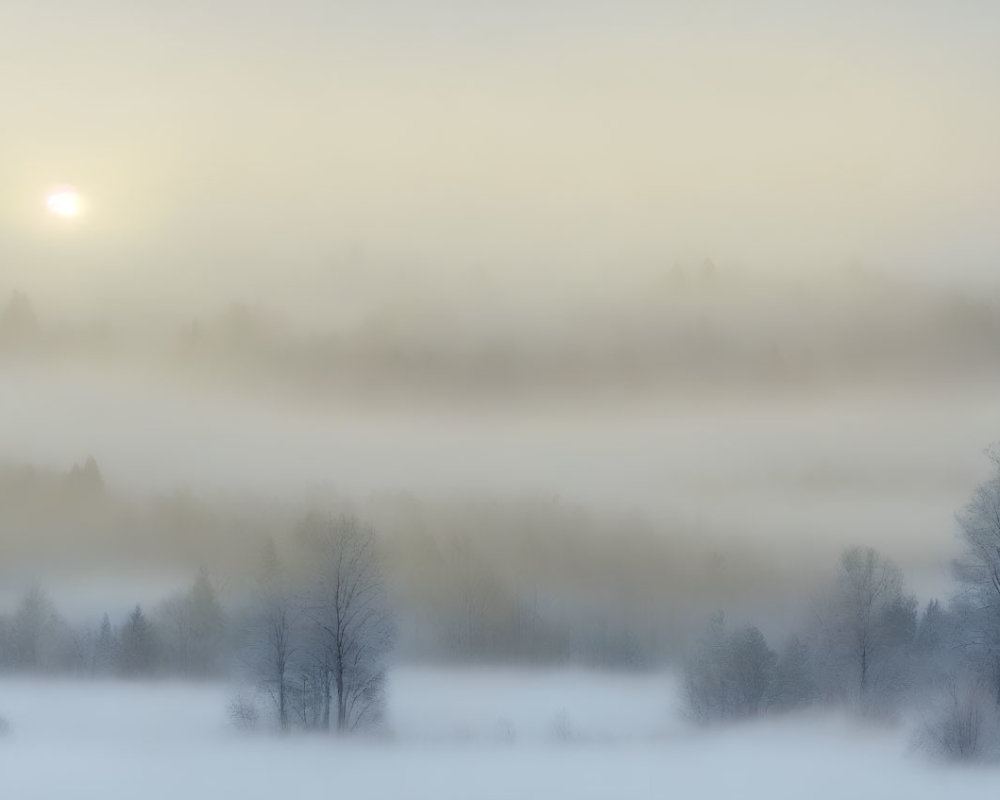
{"points": [[341, 704], [326, 699], [282, 703]]}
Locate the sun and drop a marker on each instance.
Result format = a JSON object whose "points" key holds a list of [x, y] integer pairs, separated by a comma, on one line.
{"points": [[63, 202]]}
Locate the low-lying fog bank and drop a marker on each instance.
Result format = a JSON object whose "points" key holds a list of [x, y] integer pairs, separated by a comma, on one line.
{"points": [[452, 734]]}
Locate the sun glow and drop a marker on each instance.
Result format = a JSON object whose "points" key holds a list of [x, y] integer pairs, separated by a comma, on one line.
{"points": [[63, 202]]}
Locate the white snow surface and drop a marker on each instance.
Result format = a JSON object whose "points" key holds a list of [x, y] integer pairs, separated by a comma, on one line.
{"points": [[462, 734]]}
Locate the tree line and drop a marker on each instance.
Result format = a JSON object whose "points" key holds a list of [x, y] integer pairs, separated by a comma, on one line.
{"points": [[313, 632], [314, 628], [185, 636], [866, 645]]}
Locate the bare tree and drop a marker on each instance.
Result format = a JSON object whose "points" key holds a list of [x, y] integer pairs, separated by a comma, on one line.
{"points": [[351, 627], [868, 619], [273, 621], [964, 726], [980, 526], [979, 571]]}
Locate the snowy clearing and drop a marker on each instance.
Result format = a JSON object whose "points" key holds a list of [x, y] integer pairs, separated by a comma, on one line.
{"points": [[454, 734]]}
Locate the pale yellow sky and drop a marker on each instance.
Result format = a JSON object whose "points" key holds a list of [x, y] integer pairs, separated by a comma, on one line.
{"points": [[226, 149], [516, 162]]}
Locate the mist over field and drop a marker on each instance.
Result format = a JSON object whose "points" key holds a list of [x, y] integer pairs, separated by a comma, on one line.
{"points": [[493, 735], [478, 400], [724, 418]]}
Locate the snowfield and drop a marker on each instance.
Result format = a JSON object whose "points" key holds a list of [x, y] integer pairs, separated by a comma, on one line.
{"points": [[465, 735]]}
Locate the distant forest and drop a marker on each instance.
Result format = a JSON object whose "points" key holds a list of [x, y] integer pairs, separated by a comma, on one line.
{"points": [[688, 333], [313, 613]]}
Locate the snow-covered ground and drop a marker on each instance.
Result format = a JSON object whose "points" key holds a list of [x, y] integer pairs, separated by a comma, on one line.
{"points": [[454, 734]]}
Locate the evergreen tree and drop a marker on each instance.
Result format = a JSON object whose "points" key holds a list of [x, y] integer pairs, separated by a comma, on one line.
{"points": [[194, 628], [207, 625], [105, 649], [29, 620], [730, 675], [138, 651], [793, 682]]}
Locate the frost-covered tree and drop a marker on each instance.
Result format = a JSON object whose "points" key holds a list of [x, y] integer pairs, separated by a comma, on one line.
{"points": [[730, 675], [350, 631], [794, 685], [274, 615], [963, 723], [753, 665], [979, 572], [868, 622], [706, 689]]}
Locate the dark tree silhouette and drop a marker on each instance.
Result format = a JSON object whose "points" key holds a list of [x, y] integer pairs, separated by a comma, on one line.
{"points": [[138, 651]]}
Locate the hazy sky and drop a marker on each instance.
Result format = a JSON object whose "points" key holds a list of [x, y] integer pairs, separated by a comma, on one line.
{"points": [[517, 161], [251, 150]]}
